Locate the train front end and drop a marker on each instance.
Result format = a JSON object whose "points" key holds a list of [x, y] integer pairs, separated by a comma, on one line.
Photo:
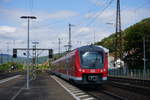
{"points": [[91, 65]]}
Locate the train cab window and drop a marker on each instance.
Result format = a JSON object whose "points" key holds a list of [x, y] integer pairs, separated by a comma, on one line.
{"points": [[91, 60]]}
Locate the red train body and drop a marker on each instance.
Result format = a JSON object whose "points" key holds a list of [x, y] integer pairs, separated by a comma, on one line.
{"points": [[84, 65]]}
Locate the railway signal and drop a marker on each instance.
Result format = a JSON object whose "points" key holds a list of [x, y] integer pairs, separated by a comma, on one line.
{"points": [[28, 49], [50, 53], [14, 53]]}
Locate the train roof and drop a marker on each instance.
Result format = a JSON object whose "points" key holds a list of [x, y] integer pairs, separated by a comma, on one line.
{"points": [[93, 47], [105, 49]]}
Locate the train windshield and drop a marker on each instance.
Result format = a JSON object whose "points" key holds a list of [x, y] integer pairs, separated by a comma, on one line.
{"points": [[91, 60]]}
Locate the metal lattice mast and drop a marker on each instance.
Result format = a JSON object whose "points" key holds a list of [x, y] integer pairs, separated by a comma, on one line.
{"points": [[118, 39]]}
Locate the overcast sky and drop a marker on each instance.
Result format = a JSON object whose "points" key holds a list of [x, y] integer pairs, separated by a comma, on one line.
{"points": [[53, 17]]}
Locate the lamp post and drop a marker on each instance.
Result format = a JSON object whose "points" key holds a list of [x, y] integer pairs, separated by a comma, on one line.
{"points": [[28, 18], [113, 25]]}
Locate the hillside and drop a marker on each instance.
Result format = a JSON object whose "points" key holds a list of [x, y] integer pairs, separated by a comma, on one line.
{"points": [[133, 38], [4, 58]]}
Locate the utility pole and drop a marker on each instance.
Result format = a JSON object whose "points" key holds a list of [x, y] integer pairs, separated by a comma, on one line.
{"points": [[118, 39], [94, 37], [1, 57], [144, 58], [69, 42], [35, 53], [12, 60], [7, 51], [28, 45], [59, 42], [113, 42]]}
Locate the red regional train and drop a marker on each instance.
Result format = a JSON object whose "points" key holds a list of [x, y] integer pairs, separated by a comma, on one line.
{"points": [[84, 65]]}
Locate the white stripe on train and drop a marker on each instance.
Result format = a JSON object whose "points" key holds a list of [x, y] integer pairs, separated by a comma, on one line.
{"points": [[68, 76], [72, 77]]}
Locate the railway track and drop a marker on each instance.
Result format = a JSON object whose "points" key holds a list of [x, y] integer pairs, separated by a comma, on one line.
{"points": [[105, 95], [110, 92], [9, 74], [115, 91], [138, 82], [134, 88]]}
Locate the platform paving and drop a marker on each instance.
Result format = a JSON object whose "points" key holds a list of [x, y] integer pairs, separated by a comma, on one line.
{"points": [[42, 88]]}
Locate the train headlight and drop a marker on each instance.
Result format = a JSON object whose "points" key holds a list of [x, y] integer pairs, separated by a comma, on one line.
{"points": [[80, 70], [104, 70], [83, 71]]}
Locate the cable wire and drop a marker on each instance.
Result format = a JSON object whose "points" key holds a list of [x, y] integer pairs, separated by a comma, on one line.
{"points": [[97, 15]]}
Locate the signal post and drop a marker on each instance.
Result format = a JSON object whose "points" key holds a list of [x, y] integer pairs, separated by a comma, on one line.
{"points": [[50, 55]]}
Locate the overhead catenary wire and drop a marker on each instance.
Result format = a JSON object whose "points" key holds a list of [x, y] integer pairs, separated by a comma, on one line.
{"points": [[106, 4], [143, 5], [91, 10], [97, 15], [97, 5], [136, 11], [58, 21], [62, 20], [51, 24]]}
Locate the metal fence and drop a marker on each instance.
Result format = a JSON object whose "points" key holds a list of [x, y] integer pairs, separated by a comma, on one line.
{"points": [[131, 73]]}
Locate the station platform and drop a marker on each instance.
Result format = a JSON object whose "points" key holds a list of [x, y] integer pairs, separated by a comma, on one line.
{"points": [[42, 88]]}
